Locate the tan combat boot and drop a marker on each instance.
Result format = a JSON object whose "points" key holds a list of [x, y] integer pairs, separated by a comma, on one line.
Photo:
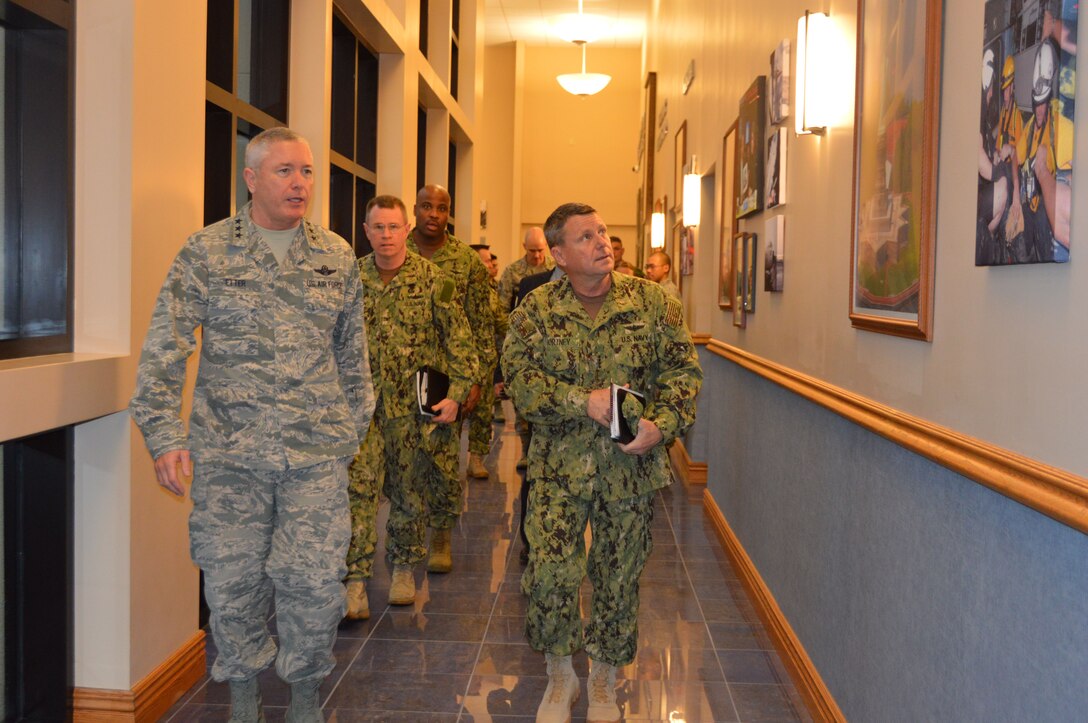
{"points": [[402, 591], [602, 694], [440, 559], [476, 467], [245, 701], [561, 692], [358, 604]]}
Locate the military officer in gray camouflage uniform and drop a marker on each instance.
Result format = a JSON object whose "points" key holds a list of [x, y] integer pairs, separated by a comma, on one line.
{"points": [[413, 319], [568, 341], [282, 398], [431, 239]]}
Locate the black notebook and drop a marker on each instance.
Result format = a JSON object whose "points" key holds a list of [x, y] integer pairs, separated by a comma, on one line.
{"points": [[432, 386], [626, 410]]}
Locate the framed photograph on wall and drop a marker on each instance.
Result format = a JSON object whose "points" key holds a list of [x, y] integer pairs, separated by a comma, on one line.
{"points": [[751, 131], [779, 101], [679, 156], [649, 112], [739, 280], [776, 168], [774, 262], [750, 266], [895, 166], [729, 220], [687, 252], [1028, 85]]}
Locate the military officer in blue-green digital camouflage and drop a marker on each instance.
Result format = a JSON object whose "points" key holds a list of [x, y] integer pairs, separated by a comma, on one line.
{"points": [[568, 341], [413, 319], [431, 239], [282, 398]]}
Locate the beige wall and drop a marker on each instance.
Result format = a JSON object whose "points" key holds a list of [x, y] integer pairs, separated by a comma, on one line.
{"points": [[580, 149], [500, 172], [1008, 343]]}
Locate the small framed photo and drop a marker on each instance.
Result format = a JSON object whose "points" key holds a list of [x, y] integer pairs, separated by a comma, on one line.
{"points": [[740, 279], [774, 264], [750, 273]]}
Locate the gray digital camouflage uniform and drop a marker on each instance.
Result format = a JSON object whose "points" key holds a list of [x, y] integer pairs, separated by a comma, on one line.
{"points": [[462, 264], [282, 398], [413, 321], [554, 356]]}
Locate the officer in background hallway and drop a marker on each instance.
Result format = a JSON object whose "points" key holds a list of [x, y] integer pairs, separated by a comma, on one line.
{"points": [[535, 261], [658, 270], [282, 399], [481, 418], [431, 239], [413, 320], [568, 341]]}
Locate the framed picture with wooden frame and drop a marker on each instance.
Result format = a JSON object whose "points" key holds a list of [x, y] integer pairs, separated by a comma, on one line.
{"points": [[894, 219], [679, 156], [729, 176], [646, 144], [750, 266]]}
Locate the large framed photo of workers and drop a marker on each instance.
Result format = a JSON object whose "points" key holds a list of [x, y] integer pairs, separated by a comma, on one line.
{"points": [[751, 130], [895, 166], [729, 176], [1025, 173]]}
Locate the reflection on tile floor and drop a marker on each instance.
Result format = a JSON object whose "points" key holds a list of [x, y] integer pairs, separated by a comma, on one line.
{"points": [[459, 654]]}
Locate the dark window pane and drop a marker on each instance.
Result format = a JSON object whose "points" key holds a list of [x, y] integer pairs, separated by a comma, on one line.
{"points": [[424, 21], [263, 38], [342, 114], [364, 191], [218, 152], [220, 52], [451, 182], [421, 148], [34, 242], [455, 60], [456, 8], [341, 211], [366, 152]]}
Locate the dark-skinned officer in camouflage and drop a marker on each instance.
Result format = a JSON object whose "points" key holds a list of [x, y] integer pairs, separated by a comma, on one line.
{"points": [[431, 239], [282, 399], [568, 341], [413, 319]]}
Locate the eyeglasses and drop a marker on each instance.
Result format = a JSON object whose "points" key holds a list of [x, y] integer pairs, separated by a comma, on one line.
{"points": [[381, 228]]}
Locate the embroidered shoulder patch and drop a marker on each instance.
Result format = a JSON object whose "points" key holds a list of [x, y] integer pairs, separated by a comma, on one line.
{"points": [[674, 312], [519, 321]]}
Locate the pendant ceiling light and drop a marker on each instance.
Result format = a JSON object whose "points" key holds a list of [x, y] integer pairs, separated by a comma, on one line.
{"points": [[581, 29]]}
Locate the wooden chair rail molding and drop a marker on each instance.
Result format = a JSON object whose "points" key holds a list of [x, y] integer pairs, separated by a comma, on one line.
{"points": [[1049, 490]]}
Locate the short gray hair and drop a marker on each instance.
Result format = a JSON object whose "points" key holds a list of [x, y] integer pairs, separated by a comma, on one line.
{"points": [[553, 227], [258, 147]]}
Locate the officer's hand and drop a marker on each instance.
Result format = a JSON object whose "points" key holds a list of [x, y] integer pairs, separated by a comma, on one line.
{"points": [[166, 470], [500, 390], [599, 407], [648, 437], [447, 411], [473, 397]]}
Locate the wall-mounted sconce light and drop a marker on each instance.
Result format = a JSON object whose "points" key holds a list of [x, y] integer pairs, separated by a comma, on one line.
{"points": [[813, 76], [692, 193], [657, 226]]}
